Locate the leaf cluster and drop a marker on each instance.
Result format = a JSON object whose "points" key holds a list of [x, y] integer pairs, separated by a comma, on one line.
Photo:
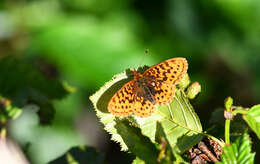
{"points": [[22, 82], [173, 128]]}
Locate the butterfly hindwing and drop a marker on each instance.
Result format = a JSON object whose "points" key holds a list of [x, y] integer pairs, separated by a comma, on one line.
{"points": [[144, 101], [122, 103], [163, 93], [143, 107]]}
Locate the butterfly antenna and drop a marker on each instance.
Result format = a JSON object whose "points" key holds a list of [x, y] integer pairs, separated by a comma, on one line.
{"points": [[146, 52]]}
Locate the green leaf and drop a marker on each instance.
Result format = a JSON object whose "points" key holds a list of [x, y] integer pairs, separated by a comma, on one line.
{"points": [[20, 75], [253, 119], [176, 157], [178, 119], [79, 155], [238, 152], [100, 101], [138, 144]]}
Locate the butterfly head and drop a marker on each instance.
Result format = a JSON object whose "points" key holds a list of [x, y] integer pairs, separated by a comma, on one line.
{"points": [[137, 75]]}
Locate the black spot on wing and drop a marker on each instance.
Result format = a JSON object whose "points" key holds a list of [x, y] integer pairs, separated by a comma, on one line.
{"points": [[157, 69], [161, 66], [164, 74]]}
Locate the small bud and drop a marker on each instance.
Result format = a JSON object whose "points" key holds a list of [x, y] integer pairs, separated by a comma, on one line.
{"points": [[185, 81], [228, 103], [193, 90]]}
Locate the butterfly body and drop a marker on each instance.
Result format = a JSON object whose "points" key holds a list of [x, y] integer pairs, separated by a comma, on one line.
{"points": [[156, 86], [142, 87]]}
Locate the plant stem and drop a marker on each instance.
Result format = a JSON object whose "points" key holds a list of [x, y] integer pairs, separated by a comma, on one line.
{"points": [[228, 104], [227, 132], [240, 111]]}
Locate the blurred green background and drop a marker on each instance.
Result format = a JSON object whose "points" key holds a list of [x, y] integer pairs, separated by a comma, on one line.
{"points": [[83, 43]]}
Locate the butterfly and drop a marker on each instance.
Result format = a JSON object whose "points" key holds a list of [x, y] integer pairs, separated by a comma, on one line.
{"points": [[156, 86]]}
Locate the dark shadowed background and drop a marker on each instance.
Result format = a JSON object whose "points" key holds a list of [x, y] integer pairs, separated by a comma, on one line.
{"points": [[83, 43]]}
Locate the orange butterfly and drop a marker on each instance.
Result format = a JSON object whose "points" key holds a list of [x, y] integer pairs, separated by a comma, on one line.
{"points": [[156, 86]]}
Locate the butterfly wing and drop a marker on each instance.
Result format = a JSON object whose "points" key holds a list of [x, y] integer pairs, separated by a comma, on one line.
{"points": [[162, 78], [170, 71], [122, 103], [143, 105], [160, 89], [163, 93]]}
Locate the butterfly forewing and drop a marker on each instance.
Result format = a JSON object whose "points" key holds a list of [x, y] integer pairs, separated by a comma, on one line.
{"points": [[163, 77], [170, 71]]}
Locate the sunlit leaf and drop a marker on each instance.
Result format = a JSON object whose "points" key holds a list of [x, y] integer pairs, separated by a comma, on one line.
{"points": [[100, 100], [238, 152], [253, 119], [179, 121]]}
